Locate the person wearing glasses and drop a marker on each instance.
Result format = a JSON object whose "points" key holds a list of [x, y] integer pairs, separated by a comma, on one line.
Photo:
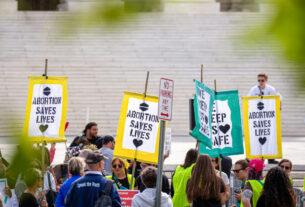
{"points": [[241, 172], [263, 89], [286, 165], [267, 90], [120, 176]]}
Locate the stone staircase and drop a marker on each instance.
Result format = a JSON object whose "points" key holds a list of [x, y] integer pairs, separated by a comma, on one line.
{"points": [[102, 63]]}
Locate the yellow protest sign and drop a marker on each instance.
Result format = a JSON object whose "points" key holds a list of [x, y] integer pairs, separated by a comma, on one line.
{"points": [[138, 129], [262, 123], [46, 109]]}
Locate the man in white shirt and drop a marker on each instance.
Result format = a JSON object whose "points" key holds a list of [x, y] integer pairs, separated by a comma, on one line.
{"points": [[263, 89]]}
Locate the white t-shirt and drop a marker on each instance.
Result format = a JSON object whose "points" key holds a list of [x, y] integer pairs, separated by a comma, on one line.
{"points": [[267, 91], [46, 181], [225, 180]]}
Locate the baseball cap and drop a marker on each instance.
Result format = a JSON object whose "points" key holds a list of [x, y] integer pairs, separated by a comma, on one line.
{"points": [[95, 157], [257, 164]]}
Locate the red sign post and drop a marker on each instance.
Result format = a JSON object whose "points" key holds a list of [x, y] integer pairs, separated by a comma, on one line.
{"points": [[166, 91]]}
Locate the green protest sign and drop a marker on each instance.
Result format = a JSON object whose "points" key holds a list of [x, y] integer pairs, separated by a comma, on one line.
{"points": [[203, 104], [226, 126]]}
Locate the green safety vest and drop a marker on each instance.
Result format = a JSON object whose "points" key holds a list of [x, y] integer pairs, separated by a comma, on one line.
{"points": [[291, 181], [304, 185], [180, 178], [129, 181], [257, 188]]}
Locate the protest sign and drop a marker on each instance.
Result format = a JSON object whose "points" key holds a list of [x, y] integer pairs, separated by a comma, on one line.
{"points": [[138, 129], [127, 196], [262, 122], [46, 109], [203, 105], [168, 141], [226, 126]]}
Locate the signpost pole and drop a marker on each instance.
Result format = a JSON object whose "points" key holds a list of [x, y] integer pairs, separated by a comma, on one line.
{"points": [[43, 144], [201, 80], [160, 164], [135, 159], [165, 105]]}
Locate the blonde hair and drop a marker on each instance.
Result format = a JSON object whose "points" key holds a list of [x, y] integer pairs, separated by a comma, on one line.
{"points": [[76, 166], [90, 147]]}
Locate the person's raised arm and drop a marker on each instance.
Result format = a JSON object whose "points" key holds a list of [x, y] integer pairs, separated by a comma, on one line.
{"points": [[246, 198]]}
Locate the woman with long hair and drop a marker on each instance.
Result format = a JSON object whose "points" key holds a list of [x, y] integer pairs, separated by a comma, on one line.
{"points": [[254, 184], [120, 176], [180, 177], [277, 190], [286, 165], [205, 188]]}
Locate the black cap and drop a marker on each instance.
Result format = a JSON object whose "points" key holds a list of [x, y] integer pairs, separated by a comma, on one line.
{"points": [[94, 157]]}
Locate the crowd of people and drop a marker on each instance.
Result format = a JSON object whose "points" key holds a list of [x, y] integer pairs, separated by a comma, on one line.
{"points": [[94, 178]]}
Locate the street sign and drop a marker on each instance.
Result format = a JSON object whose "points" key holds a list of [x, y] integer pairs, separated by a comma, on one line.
{"points": [[166, 90]]}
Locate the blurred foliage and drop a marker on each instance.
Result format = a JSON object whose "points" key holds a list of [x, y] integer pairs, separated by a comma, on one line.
{"points": [[286, 28]]}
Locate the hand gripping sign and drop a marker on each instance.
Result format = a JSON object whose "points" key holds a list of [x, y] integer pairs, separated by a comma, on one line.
{"points": [[226, 126], [46, 109], [262, 122], [203, 105], [138, 129]]}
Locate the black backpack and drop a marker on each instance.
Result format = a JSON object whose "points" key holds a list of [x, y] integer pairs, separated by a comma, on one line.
{"points": [[104, 199]]}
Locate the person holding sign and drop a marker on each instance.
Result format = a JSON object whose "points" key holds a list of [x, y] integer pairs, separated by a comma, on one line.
{"points": [[263, 89], [119, 175], [33, 180], [89, 136]]}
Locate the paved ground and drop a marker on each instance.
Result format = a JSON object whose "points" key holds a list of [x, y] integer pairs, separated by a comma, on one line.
{"points": [[293, 149]]}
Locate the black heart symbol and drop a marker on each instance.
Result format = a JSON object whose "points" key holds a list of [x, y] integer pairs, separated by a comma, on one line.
{"points": [[224, 128], [43, 128], [137, 143], [262, 140]]}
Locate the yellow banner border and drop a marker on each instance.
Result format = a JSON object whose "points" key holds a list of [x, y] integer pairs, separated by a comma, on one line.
{"points": [[33, 80], [278, 127], [119, 151]]}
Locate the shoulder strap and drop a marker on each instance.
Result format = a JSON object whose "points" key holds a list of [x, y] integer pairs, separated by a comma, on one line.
{"points": [[261, 183], [49, 180], [108, 187]]}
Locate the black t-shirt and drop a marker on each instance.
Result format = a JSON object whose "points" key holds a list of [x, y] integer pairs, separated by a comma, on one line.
{"points": [[206, 203], [97, 141], [124, 182], [261, 201], [28, 200]]}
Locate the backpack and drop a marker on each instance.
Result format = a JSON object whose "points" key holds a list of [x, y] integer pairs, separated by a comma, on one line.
{"points": [[51, 194], [104, 199]]}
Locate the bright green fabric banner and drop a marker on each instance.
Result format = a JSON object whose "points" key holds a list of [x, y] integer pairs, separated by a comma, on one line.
{"points": [[227, 136], [203, 104]]}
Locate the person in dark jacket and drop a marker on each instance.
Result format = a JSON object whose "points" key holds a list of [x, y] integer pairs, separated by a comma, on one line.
{"points": [[86, 190], [89, 136]]}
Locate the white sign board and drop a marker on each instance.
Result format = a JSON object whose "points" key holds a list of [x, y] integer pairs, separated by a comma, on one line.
{"points": [[168, 141], [166, 90]]}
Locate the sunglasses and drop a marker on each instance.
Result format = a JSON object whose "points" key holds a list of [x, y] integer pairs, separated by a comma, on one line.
{"points": [[115, 166], [237, 171], [285, 167], [213, 160], [260, 80]]}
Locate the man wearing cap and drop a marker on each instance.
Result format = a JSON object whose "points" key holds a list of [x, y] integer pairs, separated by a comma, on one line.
{"points": [[86, 190], [254, 184]]}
